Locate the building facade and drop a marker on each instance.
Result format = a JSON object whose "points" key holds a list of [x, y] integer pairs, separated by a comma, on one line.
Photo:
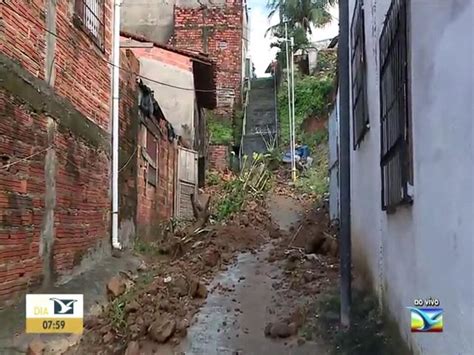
{"points": [[412, 161], [219, 30], [54, 139]]}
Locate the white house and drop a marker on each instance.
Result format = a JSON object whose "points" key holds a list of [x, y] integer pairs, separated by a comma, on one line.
{"points": [[412, 163]]}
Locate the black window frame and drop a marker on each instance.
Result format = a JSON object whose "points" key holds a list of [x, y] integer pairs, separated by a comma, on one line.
{"points": [[395, 114], [83, 12], [360, 113]]}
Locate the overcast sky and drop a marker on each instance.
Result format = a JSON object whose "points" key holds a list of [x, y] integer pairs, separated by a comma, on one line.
{"points": [[260, 45]]}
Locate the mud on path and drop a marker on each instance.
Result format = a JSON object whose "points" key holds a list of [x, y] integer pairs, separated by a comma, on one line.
{"points": [[241, 288], [257, 306]]}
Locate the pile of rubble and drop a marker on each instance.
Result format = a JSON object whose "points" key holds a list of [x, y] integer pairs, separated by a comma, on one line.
{"points": [[157, 305]]}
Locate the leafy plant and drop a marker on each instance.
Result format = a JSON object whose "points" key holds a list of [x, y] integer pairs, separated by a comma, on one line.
{"points": [[253, 180], [220, 130], [312, 99]]}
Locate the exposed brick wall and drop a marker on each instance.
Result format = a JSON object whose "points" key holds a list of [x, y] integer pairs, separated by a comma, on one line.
{"points": [[218, 157], [22, 195], [81, 215], [81, 181], [81, 71], [217, 31], [129, 125], [156, 202], [60, 195]]}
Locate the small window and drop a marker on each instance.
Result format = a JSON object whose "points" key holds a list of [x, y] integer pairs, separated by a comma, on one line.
{"points": [[222, 45], [90, 15], [151, 149], [360, 115], [395, 123]]}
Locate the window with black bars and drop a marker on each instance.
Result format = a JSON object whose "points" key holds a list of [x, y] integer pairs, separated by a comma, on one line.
{"points": [[360, 115], [394, 107], [90, 15]]}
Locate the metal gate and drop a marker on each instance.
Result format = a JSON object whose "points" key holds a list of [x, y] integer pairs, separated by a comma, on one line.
{"points": [[334, 163], [186, 184]]}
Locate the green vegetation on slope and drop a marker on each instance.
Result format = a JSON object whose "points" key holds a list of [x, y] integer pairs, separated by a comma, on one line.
{"points": [[220, 130], [313, 101]]}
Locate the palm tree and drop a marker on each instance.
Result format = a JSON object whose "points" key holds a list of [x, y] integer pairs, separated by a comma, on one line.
{"points": [[301, 13]]}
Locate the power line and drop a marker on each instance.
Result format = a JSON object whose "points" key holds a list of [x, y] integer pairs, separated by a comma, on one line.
{"points": [[110, 63]]}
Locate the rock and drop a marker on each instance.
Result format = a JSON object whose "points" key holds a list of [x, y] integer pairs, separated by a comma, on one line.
{"points": [[244, 220], [162, 328], [58, 346], [180, 286], [36, 347], [132, 307], [308, 276], [201, 291], [133, 348], [301, 341], [282, 330], [211, 257], [116, 286], [182, 327], [293, 256], [108, 337], [193, 286], [314, 244], [197, 289]]}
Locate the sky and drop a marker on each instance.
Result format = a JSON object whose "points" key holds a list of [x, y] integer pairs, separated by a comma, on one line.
{"points": [[260, 50]]}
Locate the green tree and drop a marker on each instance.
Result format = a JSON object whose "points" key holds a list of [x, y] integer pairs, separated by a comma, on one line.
{"points": [[300, 16]]}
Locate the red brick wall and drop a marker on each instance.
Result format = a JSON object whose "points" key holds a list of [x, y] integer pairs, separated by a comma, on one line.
{"points": [[218, 157], [224, 26], [129, 125], [156, 203], [76, 134], [81, 215], [81, 196], [82, 73], [21, 197]]}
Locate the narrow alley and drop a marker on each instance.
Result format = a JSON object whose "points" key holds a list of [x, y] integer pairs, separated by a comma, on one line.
{"points": [[236, 177]]}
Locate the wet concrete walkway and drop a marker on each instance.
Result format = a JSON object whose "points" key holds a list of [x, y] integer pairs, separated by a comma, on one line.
{"points": [[235, 315]]}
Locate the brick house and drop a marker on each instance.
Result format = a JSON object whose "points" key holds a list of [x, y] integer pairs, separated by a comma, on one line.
{"points": [[183, 84], [54, 138], [221, 31]]}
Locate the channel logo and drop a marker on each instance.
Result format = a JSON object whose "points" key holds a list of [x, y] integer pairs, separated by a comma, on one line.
{"points": [[54, 313], [426, 320]]}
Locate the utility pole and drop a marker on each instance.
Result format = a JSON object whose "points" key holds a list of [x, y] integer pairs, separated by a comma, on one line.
{"points": [[344, 161], [293, 134], [290, 106]]}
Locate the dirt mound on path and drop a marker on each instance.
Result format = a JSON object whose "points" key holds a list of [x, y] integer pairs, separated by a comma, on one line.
{"points": [[173, 285]]}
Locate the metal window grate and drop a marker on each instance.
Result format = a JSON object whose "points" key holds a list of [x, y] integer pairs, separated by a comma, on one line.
{"points": [[360, 115], [394, 107], [90, 14]]}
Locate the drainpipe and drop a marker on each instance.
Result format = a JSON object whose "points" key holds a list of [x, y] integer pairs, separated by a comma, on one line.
{"points": [[115, 123]]}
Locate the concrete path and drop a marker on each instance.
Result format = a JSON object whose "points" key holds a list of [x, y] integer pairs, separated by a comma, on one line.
{"points": [[235, 315]]}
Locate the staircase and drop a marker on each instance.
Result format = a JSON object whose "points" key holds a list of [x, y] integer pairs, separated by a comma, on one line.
{"points": [[260, 124]]}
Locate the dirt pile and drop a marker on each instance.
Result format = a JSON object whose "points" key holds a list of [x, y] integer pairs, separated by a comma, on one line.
{"points": [[160, 304]]}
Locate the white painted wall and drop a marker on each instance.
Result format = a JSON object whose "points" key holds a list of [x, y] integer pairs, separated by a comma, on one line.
{"points": [[424, 250]]}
